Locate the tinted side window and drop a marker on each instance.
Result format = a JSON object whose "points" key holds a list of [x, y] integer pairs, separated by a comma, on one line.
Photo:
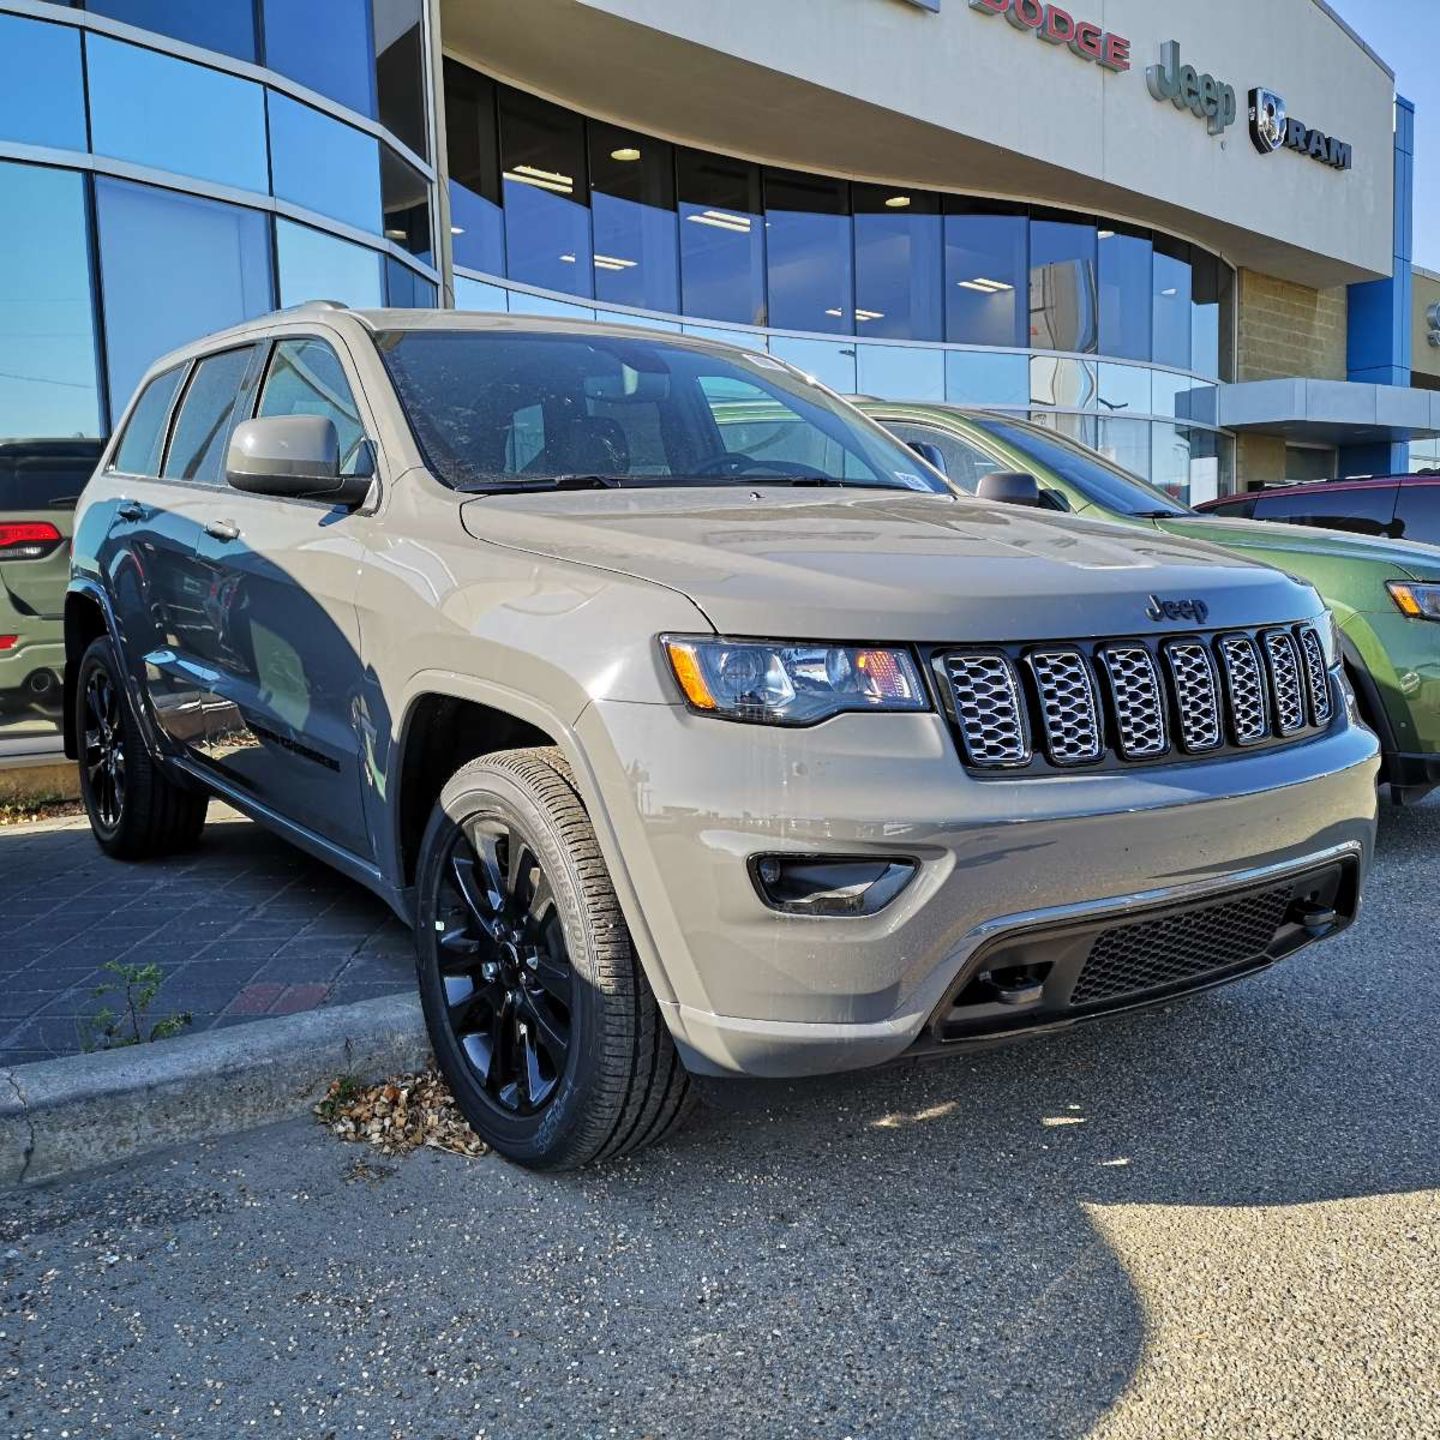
{"points": [[144, 437], [1242, 507], [1362, 510], [963, 463], [305, 378], [1417, 513], [207, 415]]}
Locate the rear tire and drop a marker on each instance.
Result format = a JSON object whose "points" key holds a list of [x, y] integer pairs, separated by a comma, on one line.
{"points": [[541, 1017], [137, 812]]}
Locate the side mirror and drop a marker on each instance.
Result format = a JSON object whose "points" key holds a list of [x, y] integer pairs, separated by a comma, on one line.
{"points": [[294, 457], [1010, 487], [932, 455]]}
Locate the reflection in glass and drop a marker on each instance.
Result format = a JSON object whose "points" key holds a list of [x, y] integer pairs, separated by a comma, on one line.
{"points": [[472, 142], [42, 92], [325, 45], [206, 417], [823, 360], [1174, 394], [547, 223], [323, 164], [1084, 428], [48, 384], [1125, 389], [632, 197], [139, 450], [523, 303], [985, 271], [809, 253], [1172, 310], [722, 238], [1170, 461], [477, 295], [405, 196], [1210, 280], [1064, 286], [1127, 443], [400, 71], [305, 377], [224, 25], [1125, 264], [317, 266], [975, 377], [210, 263], [645, 322], [898, 263], [153, 109], [1070, 383], [901, 372], [405, 290]]}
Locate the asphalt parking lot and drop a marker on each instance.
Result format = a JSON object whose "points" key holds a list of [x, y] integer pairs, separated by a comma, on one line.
{"points": [[1218, 1219]]}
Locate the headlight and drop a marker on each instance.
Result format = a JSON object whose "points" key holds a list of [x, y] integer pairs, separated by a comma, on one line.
{"points": [[1329, 630], [773, 682], [1419, 602]]}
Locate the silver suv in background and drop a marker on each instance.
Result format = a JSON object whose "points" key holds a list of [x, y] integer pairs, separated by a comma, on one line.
{"points": [[698, 727]]}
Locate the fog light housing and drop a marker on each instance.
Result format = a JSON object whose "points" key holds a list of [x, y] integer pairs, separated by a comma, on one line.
{"points": [[829, 885]]}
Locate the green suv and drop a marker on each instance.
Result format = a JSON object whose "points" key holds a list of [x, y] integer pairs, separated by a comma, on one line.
{"points": [[1385, 594]]}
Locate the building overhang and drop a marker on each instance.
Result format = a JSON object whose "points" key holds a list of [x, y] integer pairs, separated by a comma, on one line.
{"points": [[1320, 412]]}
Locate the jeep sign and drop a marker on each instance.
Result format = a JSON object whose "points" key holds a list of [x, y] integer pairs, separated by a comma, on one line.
{"points": [[1204, 96]]}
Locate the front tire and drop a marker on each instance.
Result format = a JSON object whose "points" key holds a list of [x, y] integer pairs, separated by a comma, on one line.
{"points": [[136, 811], [539, 1012]]}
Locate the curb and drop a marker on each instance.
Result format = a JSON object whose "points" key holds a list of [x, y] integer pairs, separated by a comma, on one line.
{"points": [[58, 1117]]}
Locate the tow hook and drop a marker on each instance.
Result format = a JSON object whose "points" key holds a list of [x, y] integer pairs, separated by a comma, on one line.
{"points": [[1318, 919]]}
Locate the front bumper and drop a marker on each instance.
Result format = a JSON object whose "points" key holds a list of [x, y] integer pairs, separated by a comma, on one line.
{"points": [[750, 991]]}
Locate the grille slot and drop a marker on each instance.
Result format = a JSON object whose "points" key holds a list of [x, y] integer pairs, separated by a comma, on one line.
{"points": [[1138, 699], [1197, 695], [1069, 706], [1317, 677], [989, 709], [1283, 660], [1245, 685], [1154, 954]]}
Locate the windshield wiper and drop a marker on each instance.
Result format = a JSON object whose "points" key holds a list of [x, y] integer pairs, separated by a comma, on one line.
{"points": [[547, 482]]}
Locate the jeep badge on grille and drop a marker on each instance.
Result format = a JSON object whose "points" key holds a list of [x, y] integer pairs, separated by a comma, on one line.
{"points": [[1196, 610]]}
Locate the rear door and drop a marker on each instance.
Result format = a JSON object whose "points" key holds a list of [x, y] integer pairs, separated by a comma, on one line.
{"points": [[283, 650], [1417, 513], [1358, 509]]}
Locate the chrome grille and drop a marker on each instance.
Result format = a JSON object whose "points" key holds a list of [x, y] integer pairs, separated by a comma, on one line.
{"points": [[1245, 689], [989, 709], [1197, 695], [1317, 676], [1069, 706], [1138, 699], [1283, 660]]}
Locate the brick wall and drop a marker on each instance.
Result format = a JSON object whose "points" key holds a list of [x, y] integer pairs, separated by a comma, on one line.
{"points": [[1287, 330], [1259, 460]]}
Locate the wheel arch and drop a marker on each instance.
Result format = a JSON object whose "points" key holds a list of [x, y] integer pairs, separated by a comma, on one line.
{"points": [[87, 618]]}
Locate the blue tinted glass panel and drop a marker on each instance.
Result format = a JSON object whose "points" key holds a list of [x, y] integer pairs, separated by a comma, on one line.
{"points": [[400, 89], [1172, 312], [901, 372], [547, 222], [472, 143], [830, 363], [1064, 286], [173, 268], [477, 230], [1125, 263], [325, 44], [899, 265], [406, 290], [1072, 384], [985, 279], [523, 303], [978, 377], [405, 196], [1210, 286], [809, 253], [224, 25], [1127, 444], [722, 239], [47, 313], [1125, 389], [324, 164], [42, 94], [745, 340], [645, 322], [317, 266], [153, 109], [476, 295], [637, 244]]}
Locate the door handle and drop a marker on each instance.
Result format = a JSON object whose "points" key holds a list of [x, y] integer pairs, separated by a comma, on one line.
{"points": [[131, 510], [222, 530]]}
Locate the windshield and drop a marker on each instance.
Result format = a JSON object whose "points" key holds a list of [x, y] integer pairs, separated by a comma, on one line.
{"points": [[504, 410], [1099, 480]]}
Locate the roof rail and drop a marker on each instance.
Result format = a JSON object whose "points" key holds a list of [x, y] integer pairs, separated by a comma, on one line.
{"points": [[311, 306]]}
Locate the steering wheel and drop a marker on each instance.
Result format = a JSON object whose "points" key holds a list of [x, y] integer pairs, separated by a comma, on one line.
{"points": [[728, 463]]}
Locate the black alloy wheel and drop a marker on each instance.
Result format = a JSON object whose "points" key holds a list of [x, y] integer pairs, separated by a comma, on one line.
{"points": [[104, 748]]}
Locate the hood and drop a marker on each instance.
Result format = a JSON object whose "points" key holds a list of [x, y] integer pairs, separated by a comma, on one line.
{"points": [[1405, 557], [865, 565]]}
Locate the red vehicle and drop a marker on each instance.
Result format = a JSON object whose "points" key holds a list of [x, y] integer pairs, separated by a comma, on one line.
{"points": [[1402, 507]]}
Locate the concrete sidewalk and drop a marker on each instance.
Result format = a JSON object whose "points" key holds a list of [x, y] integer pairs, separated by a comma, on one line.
{"points": [[245, 927]]}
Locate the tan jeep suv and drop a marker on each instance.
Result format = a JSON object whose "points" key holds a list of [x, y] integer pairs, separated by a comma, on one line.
{"points": [[698, 726]]}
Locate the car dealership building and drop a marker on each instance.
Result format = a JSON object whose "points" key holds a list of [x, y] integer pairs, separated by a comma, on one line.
{"points": [[1179, 232]]}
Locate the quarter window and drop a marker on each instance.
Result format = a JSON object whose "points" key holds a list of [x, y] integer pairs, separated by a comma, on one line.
{"points": [[207, 415], [144, 437], [306, 378]]}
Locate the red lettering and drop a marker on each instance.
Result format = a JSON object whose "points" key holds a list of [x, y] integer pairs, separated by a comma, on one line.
{"points": [[1059, 26], [1086, 43], [1117, 53], [990, 7], [1026, 14]]}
